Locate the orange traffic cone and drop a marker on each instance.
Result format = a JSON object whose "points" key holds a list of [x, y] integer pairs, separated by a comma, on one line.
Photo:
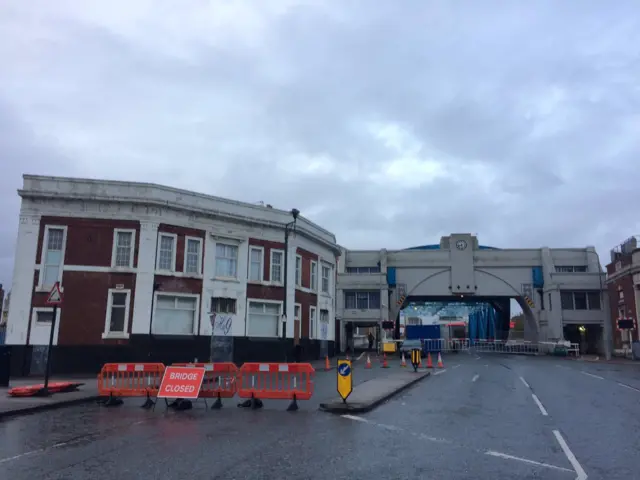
{"points": [[429, 361], [368, 364], [384, 362], [327, 365], [404, 363], [440, 364]]}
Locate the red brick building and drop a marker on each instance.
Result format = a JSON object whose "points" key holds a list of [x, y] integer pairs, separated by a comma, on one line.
{"points": [[143, 268], [623, 283]]}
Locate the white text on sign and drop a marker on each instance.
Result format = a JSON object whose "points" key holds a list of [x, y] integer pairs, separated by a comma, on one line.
{"points": [[183, 376]]}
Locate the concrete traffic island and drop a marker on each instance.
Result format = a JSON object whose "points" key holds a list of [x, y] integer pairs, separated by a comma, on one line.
{"points": [[368, 395]]}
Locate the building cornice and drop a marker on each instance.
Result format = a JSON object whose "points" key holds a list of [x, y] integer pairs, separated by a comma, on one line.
{"points": [[304, 227]]}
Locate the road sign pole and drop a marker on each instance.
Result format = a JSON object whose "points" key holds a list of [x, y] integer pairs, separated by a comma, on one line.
{"points": [[47, 373]]}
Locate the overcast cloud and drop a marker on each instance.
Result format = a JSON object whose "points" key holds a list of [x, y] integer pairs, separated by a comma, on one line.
{"points": [[390, 123]]}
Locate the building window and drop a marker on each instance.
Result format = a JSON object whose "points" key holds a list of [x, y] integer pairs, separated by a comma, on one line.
{"points": [[175, 314], [363, 270], [117, 320], [362, 300], [314, 276], [223, 305], [256, 263], [123, 245], [167, 252], [44, 316], [326, 274], [571, 269], [53, 255], [263, 319], [297, 308], [580, 300], [298, 270], [312, 322], [193, 255], [226, 260], [621, 295], [276, 265]]}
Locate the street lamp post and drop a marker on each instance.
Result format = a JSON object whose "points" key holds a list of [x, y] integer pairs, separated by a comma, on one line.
{"points": [[288, 228]]}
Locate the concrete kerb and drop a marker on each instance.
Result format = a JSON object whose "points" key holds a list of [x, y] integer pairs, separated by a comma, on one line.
{"points": [[47, 406], [342, 408]]}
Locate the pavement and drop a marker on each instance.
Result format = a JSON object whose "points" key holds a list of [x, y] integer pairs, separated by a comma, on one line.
{"points": [[482, 416], [12, 406]]}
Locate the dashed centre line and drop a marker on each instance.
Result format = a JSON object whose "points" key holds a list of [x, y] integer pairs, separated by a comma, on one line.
{"points": [[439, 372], [475, 377], [525, 382], [628, 386], [491, 453], [592, 375], [540, 406]]}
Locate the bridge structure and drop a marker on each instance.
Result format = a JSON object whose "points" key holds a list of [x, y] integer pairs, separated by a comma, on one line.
{"points": [[559, 290]]}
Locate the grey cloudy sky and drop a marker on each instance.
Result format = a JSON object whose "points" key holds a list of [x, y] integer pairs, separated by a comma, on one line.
{"points": [[390, 123]]}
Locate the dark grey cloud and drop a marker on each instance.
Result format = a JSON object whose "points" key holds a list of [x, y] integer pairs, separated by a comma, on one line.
{"points": [[514, 121]]}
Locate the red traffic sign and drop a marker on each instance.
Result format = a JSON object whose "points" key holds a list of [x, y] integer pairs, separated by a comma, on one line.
{"points": [[55, 295], [181, 382]]}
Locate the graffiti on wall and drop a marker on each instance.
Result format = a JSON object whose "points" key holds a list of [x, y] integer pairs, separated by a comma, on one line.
{"points": [[221, 337], [221, 324]]}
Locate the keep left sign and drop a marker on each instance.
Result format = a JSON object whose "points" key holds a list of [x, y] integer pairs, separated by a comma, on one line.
{"points": [[181, 382]]}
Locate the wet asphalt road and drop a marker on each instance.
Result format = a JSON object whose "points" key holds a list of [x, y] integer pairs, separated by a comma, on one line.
{"points": [[476, 419]]}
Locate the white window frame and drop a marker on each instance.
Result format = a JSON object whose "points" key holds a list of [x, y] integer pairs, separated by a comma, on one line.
{"points": [[261, 250], [297, 306], [298, 271], [313, 314], [328, 267], [43, 253], [173, 254], [184, 260], [262, 300], [280, 281], [107, 333], [313, 284], [215, 258], [197, 315], [114, 248]]}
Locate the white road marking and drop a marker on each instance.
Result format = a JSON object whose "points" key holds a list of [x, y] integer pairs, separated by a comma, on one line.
{"points": [[55, 445], [477, 358], [486, 365], [361, 355], [456, 366], [524, 460], [428, 438], [628, 386], [476, 377], [439, 372], [582, 475], [539, 403], [525, 382], [355, 418], [594, 376]]}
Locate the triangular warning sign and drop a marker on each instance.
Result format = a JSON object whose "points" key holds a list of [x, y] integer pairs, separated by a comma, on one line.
{"points": [[55, 295]]}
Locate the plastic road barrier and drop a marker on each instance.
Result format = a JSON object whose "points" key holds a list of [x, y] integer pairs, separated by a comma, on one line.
{"points": [[34, 390], [219, 380], [117, 380], [279, 381]]}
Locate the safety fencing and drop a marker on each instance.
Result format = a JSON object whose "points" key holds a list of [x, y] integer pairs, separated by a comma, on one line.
{"points": [[445, 345], [253, 382], [520, 347], [501, 346]]}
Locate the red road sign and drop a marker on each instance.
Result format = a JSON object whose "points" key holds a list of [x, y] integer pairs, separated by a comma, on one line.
{"points": [[181, 382], [55, 295]]}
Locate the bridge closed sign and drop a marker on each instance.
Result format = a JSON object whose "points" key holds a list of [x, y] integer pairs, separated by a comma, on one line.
{"points": [[345, 379], [181, 382]]}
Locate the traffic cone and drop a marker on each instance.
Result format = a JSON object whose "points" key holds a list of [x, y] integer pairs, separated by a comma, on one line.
{"points": [[327, 365], [440, 364], [384, 362], [404, 363], [368, 364], [429, 361]]}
